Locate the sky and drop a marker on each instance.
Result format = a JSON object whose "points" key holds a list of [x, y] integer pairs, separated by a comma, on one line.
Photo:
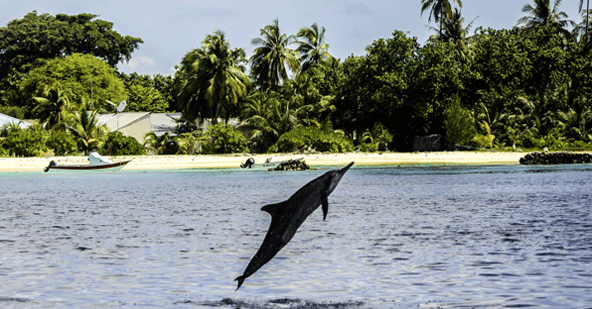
{"points": [[172, 28]]}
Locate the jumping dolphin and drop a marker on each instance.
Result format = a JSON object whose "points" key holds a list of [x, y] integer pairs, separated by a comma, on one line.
{"points": [[287, 216]]}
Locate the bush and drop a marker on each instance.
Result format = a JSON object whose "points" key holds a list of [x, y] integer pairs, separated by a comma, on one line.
{"points": [[578, 146], [223, 139], [24, 143], [304, 137], [368, 147], [118, 144], [460, 127], [62, 144], [13, 111], [482, 141]]}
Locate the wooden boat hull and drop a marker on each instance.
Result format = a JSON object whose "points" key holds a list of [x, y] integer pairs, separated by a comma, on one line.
{"points": [[112, 167]]}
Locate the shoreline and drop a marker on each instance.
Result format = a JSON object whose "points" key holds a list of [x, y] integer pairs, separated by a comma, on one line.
{"points": [[175, 162]]}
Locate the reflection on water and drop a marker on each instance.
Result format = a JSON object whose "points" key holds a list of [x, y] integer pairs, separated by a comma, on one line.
{"points": [[419, 236]]}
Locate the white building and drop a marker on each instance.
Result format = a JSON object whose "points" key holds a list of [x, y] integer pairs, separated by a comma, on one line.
{"points": [[6, 120]]}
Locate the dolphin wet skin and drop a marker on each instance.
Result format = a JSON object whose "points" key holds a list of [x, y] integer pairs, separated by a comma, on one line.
{"points": [[287, 216]]}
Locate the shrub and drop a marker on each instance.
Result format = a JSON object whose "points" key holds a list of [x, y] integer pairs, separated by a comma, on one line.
{"points": [[304, 137], [368, 147], [13, 111], [223, 139], [24, 143], [62, 144], [118, 144], [578, 146], [460, 128]]}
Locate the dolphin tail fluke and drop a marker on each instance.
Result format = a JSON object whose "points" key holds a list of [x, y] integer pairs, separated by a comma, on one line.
{"points": [[240, 280]]}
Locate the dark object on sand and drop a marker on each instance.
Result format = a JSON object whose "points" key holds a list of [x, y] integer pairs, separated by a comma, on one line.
{"points": [[547, 158]]}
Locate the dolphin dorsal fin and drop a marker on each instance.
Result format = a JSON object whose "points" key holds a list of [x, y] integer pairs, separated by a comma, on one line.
{"points": [[273, 209]]}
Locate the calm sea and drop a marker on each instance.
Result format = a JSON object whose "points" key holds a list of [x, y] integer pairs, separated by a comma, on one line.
{"points": [[398, 237]]}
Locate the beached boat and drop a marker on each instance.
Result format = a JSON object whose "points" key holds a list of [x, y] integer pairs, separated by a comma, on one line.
{"points": [[97, 163]]}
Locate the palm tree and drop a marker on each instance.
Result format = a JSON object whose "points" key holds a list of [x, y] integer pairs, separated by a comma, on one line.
{"points": [[584, 27], [587, 13], [453, 30], [542, 14], [156, 143], [440, 9], [214, 76], [53, 106], [270, 58], [312, 48], [83, 124], [267, 116], [379, 135]]}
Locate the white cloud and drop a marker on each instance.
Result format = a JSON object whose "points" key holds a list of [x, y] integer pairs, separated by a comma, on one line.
{"points": [[138, 64]]}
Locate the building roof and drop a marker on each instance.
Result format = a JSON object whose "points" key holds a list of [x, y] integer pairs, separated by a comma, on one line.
{"points": [[118, 121], [162, 123], [5, 120]]}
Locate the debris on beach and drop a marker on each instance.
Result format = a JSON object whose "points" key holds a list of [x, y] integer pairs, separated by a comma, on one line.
{"points": [[292, 165], [545, 158]]}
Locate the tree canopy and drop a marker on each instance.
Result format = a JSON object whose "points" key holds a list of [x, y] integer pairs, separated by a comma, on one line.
{"points": [[213, 80], [26, 41], [83, 75], [526, 87]]}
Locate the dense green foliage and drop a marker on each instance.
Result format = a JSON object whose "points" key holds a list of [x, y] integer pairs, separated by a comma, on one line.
{"points": [[212, 80], [149, 93], [312, 138], [117, 144], [82, 75], [28, 142], [525, 87], [221, 138], [85, 128], [62, 144], [24, 42]]}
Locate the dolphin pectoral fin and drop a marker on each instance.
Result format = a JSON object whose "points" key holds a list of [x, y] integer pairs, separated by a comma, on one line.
{"points": [[240, 280], [273, 209], [325, 207]]}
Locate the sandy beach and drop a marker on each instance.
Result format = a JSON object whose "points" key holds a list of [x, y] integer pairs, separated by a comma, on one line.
{"points": [[164, 162]]}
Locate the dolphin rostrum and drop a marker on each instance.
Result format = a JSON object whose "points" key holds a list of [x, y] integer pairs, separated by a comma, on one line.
{"points": [[287, 216]]}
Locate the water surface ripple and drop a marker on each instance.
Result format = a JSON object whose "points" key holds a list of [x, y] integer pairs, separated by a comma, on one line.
{"points": [[407, 237]]}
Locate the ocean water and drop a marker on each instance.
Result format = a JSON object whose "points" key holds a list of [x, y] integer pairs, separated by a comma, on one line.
{"points": [[399, 237]]}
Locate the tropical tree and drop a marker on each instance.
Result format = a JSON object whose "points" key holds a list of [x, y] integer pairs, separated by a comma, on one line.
{"points": [[223, 139], [214, 80], [453, 31], [190, 143], [379, 137], [440, 9], [584, 27], [574, 124], [267, 115], [53, 106], [543, 14], [24, 42], [27, 142], [84, 75], [155, 143], [312, 47], [272, 58], [149, 93], [587, 13], [83, 124]]}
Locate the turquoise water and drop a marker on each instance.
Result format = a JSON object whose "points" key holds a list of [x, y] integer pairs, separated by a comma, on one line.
{"points": [[419, 236]]}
